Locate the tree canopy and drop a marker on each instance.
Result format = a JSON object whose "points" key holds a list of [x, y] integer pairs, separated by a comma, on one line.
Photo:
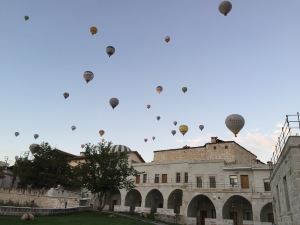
{"points": [[105, 170], [48, 168]]}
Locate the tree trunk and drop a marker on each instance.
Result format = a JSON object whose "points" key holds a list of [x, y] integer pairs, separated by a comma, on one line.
{"points": [[102, 199]]}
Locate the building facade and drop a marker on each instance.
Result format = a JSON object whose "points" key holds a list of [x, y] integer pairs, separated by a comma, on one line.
{"points": [[218, 183], [285, 183]]}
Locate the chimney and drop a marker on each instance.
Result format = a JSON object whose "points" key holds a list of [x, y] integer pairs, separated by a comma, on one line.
{"points": [[214, 140], [81, 153]]}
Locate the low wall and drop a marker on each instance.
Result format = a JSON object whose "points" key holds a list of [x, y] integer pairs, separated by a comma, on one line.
{"points": [[18, 211], [119, 208], [37, 197]]}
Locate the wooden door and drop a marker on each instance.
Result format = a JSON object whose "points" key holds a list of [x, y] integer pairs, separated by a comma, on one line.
{"points": [[203, 215], [244, 181]]}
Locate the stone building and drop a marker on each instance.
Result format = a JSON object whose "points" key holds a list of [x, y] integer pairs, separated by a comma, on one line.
{"points": [[285, 176], [218, 183]]}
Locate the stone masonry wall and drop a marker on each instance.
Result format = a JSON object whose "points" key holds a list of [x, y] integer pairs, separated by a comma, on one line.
{"points": [[40, 198], [287, 167]]}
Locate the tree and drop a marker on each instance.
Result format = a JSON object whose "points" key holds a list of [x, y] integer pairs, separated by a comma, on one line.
{"points": [[47, 169], [104, 171]]}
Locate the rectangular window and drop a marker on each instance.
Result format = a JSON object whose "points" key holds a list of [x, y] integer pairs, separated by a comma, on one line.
{"points": [[164, 178], [233, 180], [156, 178], [287, 197], [199, 182], [212, 182], [267, 185], [186, 177], [278, 198], [177, 177], [244, 181], [144, 178], [137, 179]]}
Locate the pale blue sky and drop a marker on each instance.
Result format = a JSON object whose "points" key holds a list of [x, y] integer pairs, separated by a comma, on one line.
{"points": [[244, 63]]}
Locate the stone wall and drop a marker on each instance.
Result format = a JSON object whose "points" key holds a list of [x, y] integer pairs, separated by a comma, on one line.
{"points": [[38, 197], [285, 184], [18, 211], [230, 152]]}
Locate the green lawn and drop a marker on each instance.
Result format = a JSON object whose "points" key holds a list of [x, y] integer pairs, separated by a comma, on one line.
{"points": [[88, 218]]}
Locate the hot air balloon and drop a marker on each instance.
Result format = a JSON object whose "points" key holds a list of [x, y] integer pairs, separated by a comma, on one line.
{"points": [[153, 138], [145, 139], [167, 39], [225, 7], [93, 30], [183, 129], [158, 117], [235, 123], [159, 89], [175, 123], [26, 18], [82, 146], [101, 132], [73, 127], [66, 95], [201, 127], [110, 50], [35, 136], [148, 106], [184, 89], [114, 102], [34, 148], [173, 132], [17, 134], [88, 76]]}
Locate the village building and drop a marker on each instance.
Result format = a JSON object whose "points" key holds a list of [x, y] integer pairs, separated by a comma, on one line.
{"points": [[285, 176], [218, 183]]}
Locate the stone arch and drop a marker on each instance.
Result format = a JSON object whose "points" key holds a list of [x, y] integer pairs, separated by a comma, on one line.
{"points": [[113, 198], [175, 200], [154, 200], [266, 213], [201, 207], [237, 208], [133, 199]]}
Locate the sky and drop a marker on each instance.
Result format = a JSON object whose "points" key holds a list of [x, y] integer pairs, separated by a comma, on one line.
{"points": [[244, 63]]}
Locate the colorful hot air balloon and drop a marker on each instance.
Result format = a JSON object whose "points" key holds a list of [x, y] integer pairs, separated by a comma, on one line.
{"points": [[101, 132], [184, 89], [167, 39], [66, 95], [17, 134], [145, 139], [158, 117], [201, 127], [225, 7], [148, 106], [175, 123], [93, 30], [82, 146], [26, 18], [114, 102], [110, 50], [35, 136], [88, 76], [159, 89], [235, 123], [73, 127], [153, 138], [173, 132], [183, 129]]}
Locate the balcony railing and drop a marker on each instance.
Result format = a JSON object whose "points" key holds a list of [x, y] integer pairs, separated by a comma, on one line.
{"points": [[291, 127], [205, 186]]}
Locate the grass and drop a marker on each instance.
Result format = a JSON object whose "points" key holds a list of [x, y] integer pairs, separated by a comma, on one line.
{"points": [[88, 218]]}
